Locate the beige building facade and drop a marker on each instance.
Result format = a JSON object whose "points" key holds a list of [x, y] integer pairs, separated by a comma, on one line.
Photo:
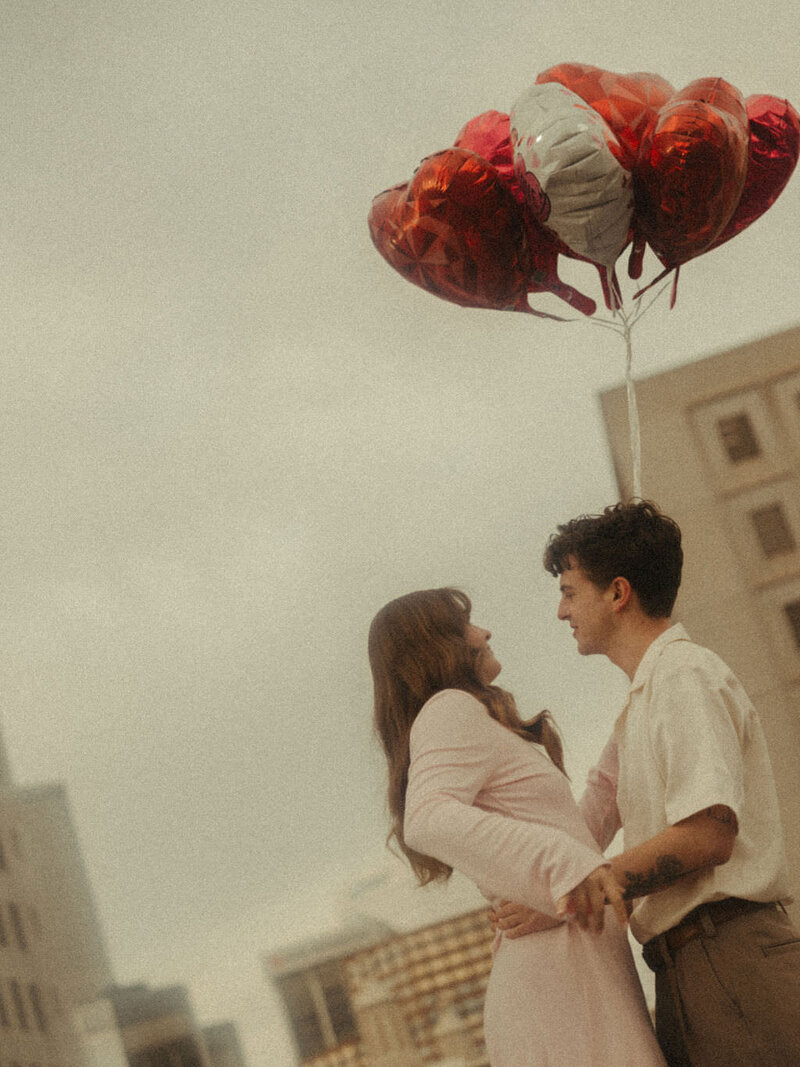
{"points": [[720, 453]]}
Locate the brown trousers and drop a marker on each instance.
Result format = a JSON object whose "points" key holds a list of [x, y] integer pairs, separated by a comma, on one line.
{"points": [[731, 997]]}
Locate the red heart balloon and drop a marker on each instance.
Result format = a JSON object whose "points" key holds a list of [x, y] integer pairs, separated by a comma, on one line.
{"points": [[627, 102], [774, 146], [690, 170], [456, 231], [489, 135]]}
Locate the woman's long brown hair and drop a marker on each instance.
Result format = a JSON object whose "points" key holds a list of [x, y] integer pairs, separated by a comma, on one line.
{"points": [[417, 647]]}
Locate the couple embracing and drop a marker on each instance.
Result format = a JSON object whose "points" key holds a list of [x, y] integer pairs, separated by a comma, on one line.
{"points": [[475, 786]]}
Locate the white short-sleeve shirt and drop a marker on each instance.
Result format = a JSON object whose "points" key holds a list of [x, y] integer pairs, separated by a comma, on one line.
{"points": [[689, 738]]}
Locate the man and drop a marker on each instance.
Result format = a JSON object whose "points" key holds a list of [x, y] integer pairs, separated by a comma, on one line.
{"points": [[687, 775]]}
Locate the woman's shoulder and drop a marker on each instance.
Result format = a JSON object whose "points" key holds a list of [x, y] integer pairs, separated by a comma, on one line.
{"points": [[450, 706], [452, 698]]}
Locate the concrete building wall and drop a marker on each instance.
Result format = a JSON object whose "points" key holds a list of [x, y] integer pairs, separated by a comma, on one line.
{"points": [[740, 572]]}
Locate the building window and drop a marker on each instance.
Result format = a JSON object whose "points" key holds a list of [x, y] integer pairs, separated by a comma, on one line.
{"points": [[304, 1017], [318, 1005], [5, 1021], [16, 922], [738, 437], [792, 610], [19, 1005], [35, 995], [773, 530], [339, 1010]]}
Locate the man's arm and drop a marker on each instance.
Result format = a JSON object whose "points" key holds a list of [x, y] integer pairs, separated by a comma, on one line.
{"points": [[598, 805], [705, 839]]}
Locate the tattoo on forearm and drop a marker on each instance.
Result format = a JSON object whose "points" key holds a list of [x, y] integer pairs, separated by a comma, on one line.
{"points": [[721, 813], [668, 869]]}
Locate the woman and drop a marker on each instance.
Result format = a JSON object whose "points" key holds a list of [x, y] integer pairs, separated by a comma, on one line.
{"points": [[473, 787]]}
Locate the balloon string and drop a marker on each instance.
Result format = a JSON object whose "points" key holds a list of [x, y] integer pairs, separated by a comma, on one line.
{"points": [[633, 412], [626, 331]]}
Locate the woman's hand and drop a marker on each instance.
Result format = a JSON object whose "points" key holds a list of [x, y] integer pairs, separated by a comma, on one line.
{"points": [[586, 902], [518, 920]]}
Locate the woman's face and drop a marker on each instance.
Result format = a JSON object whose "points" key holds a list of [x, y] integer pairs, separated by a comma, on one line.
{"points": [[487, 667]]}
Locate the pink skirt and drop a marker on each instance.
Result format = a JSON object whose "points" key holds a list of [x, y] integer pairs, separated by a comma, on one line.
{"points": [[568, 998]]}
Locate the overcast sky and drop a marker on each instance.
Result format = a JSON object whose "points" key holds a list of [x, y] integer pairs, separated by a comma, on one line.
{"points": [[231, 432]]}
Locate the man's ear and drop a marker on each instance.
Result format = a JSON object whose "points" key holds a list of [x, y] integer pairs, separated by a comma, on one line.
{"points": [[621, 593]]}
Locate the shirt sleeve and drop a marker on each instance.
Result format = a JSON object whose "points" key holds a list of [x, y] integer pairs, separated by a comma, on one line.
{"points": [[598, 804], [453, 752], [697, 740]]}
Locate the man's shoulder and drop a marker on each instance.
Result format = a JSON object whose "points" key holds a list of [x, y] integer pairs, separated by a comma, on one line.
{"points": [[685, 670], [683, 653]]}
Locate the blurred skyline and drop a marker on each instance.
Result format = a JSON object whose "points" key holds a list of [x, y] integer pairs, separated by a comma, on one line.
{"points": [[231, 432]]}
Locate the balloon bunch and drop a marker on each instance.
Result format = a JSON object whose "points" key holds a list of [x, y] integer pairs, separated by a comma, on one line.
{"points": [[587, 163]]}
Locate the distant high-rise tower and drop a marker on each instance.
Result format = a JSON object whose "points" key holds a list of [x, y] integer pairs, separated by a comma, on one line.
{"points": [[52, 956], [75, 945], [36, 1025], [720, 444]]}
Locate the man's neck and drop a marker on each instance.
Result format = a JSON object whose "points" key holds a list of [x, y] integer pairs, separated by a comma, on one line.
{"points": [[634, 640]]}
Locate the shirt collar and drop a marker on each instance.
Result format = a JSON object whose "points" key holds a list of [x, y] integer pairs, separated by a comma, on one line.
{"points": [[648, 661]]}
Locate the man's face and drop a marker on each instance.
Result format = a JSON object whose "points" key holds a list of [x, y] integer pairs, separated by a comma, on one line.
{"points": [[588, 610]]}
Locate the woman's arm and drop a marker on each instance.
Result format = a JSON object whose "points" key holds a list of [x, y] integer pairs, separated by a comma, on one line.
{"points": [[453, 750]]}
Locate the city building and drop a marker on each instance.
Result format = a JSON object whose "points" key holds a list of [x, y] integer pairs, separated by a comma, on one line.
{"points": [[158, 1027], [223, 1045], [52, 955], [35, 1004], [371, 997], [99, 1035], [76, 949], [311, 981], [434, 980], [720, 447], [136, 1026], [58, 1004]]}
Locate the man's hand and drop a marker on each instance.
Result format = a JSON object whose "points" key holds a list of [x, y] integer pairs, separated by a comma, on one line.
{"points": [[518, 920], [586, 902]]}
